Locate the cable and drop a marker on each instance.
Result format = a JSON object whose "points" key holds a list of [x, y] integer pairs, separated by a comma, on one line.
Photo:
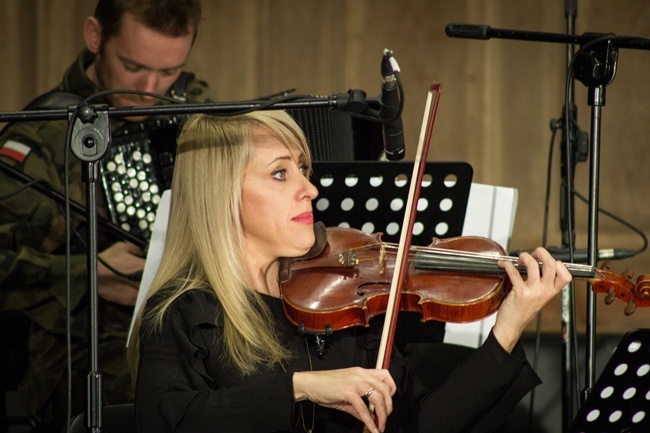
{"points": [[68, 291], [619, 220], [21, 189], [131, 277]]}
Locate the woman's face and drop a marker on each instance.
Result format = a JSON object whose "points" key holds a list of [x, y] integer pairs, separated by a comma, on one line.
{"points": [[276, 202]]}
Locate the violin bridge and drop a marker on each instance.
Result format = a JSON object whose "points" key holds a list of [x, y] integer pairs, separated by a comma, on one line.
{"points": [[382, 259], [348, 259]]}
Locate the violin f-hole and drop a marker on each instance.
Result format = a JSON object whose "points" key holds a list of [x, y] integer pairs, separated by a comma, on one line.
{"points": [[367, 288]]}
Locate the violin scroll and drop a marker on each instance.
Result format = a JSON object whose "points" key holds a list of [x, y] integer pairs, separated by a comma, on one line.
{"points": [[642, 291], [621, 286]]}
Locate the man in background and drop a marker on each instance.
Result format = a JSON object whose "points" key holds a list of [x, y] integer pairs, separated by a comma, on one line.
{"points": [[140, 45]]}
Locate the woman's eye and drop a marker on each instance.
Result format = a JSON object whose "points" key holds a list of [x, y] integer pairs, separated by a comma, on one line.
{"points": [[280, 174], [304, 169]]}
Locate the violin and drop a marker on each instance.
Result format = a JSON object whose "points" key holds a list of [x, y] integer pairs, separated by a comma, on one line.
{"points": [[451, 280]]}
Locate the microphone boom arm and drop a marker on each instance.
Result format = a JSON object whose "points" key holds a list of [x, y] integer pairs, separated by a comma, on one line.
{"points": [[484, 32]]}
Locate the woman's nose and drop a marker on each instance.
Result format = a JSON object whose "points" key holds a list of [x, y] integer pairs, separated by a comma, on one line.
{"points": [[310, 189]]}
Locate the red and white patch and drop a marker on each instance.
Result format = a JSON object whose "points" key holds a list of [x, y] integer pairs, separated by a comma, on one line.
{"points": [[15, 150]]}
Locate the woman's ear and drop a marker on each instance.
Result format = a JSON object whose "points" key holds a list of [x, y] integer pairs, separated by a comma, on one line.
{"points": [[93, 34]]}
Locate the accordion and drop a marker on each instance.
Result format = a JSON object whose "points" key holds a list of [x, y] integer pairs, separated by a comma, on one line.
{"points": [[137, 168]]}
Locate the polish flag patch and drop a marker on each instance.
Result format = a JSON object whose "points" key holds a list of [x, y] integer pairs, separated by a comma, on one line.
{"points": [[15, 150]]}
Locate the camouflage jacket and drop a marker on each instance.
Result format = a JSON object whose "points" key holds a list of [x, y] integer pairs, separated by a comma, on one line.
{"points": [[32, 234]]}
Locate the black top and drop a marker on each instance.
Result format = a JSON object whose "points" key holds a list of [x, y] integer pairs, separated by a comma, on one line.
{"points": [[183, 385]]}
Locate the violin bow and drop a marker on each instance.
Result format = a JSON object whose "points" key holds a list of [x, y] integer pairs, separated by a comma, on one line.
{"points": [[401, 260]]}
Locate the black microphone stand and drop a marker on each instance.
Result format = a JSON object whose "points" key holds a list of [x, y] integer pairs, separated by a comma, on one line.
{"points": [[595, 66], [90, 141]]}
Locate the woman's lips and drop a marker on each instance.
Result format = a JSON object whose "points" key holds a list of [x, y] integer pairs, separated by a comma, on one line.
{"points": [[305, 218]]}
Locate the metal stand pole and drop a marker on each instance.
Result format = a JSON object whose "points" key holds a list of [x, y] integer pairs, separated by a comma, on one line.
{"points": [[595, 68], [89, 142], [596, 100]]}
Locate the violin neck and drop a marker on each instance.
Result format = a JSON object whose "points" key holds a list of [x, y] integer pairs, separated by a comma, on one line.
{"points": [[485, 264], [576, 270]]}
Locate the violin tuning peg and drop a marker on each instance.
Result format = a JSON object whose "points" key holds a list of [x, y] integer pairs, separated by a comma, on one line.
{"points": [[611, 296], [628, 273], [606, 266], [630, 308]]}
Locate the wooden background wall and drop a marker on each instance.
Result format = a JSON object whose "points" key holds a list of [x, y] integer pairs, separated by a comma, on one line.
{"points": [[498, 96]]}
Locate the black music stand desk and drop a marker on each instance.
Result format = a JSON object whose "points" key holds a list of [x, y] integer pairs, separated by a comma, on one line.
{"points": [[620, 400], [371, 196]]}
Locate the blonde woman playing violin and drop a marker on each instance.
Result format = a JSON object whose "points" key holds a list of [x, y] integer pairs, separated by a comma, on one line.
{"points": [[214, 350]]}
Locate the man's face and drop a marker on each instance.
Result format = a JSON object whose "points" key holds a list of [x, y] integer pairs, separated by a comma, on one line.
{"points": [[139, 58]]}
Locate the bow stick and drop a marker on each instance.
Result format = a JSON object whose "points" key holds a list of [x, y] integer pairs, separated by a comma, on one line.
{"points": [[401, 260]]}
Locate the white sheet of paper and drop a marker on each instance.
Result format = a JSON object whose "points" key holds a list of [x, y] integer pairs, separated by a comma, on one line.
{"points": [[154, 253]]}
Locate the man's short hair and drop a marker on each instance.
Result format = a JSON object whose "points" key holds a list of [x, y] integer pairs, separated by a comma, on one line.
{"points": [[170, 17]]}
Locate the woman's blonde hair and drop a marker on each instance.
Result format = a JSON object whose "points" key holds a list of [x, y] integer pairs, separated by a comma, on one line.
{"points": [[203, 246]]}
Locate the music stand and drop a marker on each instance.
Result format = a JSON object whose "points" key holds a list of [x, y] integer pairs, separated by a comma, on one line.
{"points": [[620, 399], [371, 196]]}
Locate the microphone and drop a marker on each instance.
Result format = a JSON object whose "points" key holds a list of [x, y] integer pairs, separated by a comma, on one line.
{"points": [[582, 255], [468, 31], [392, 131]]}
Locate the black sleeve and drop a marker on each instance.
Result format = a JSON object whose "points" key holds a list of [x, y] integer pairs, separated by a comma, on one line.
{"points": [[176, 393], [479, 394]]}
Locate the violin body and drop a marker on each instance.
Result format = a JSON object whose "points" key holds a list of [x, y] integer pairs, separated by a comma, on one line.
{"points": [[349, 283]]}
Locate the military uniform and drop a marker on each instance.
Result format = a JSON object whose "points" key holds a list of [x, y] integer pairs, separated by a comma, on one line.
{"points": [[32, 261]]}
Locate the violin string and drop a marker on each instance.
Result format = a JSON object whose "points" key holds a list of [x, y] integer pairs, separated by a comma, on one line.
{"points": [[441, 260], [462, 254], [490, 257], [446, 259]]}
